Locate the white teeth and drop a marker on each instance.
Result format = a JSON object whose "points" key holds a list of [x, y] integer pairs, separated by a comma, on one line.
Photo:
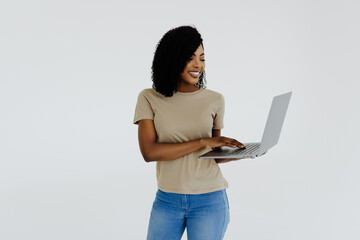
{"points": [[194, 73]]}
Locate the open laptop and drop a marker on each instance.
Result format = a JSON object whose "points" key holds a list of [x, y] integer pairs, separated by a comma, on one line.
{"points": [[270, 137]]}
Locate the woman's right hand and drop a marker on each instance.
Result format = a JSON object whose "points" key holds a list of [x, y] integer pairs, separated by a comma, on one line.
{"points": [[215, 142]]}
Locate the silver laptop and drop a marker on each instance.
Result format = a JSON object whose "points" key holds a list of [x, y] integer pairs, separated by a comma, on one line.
{"points": [[270, 137]]}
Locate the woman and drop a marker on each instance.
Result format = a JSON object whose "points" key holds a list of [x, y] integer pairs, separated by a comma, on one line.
{"points": [[179, 120]]}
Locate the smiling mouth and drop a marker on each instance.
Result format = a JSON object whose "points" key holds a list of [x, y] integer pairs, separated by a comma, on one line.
{"points": [[194, 74]]}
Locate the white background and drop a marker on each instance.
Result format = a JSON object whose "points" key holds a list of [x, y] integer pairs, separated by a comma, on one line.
{"points": [[70, 73]]}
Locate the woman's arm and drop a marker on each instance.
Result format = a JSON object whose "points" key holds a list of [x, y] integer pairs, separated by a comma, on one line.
{"points": [[151, 150]]}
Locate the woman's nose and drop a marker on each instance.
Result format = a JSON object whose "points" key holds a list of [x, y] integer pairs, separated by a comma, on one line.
{"points": [[196, 63]]}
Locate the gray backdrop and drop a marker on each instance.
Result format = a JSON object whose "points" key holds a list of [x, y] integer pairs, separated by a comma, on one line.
{"points": [[70, 73]]}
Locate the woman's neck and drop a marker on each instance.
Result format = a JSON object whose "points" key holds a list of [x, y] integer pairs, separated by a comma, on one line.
{"points": [[187, 88]]}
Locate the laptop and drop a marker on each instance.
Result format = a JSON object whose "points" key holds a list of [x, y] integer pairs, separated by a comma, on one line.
{"points": [[270, 137]]}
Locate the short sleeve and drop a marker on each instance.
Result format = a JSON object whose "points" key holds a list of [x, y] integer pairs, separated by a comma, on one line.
{"points": [[143, 108], [219, 115]]}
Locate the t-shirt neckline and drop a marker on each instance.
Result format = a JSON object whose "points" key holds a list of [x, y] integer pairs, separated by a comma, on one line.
{"points": [[190, 93]]}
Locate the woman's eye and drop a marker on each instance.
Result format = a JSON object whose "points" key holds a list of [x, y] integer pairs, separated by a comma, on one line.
{"points": [[192, 59]]}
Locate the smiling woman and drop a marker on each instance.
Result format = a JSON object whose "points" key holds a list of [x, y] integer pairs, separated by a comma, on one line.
{"points": [[179, 120], [194, 68]]}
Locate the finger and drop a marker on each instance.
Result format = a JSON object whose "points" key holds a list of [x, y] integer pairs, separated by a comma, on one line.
{"points": [[240, 145], [264, 152], [236, 143], [231, 144]]}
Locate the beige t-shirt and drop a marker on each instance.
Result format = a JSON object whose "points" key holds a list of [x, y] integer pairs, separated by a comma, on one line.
{"points": [[180, 118]]}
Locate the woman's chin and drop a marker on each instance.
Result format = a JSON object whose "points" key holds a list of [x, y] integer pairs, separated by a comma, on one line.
{"points": [[194, 81]]}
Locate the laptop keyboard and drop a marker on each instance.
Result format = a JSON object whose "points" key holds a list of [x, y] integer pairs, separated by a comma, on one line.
{"points": [[250, 148]]}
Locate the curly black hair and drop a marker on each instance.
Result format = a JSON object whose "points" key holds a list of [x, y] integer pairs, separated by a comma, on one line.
{"points": [[170, 57]]}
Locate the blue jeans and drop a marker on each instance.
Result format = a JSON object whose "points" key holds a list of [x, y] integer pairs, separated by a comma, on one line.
{"points": [[205, 216]]}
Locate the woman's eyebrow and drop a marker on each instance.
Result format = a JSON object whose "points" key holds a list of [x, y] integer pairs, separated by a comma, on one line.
{"points": [[200, 54]]}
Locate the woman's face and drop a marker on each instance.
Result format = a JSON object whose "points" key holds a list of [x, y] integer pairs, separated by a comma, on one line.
{"points": [[194, 67]]}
